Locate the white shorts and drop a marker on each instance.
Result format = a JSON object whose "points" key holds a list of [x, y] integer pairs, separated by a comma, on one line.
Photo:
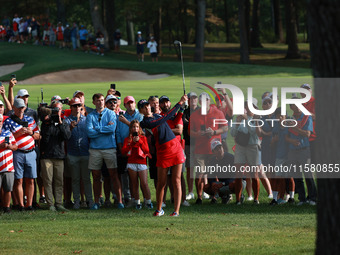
{"points": [[137, 167]]}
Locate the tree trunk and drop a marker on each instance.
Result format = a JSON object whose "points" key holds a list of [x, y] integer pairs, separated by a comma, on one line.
{"points": [[110, 22], [97, 20], [226, 20], [200, 25], [255, 32], [130, 29], [61, 16], [277, 21], [324, 32], [185, 22], [293, 49], [160, 51], [244, 49]]}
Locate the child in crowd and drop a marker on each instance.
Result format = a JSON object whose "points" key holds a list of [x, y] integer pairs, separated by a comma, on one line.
{"points": [[137, 149]]}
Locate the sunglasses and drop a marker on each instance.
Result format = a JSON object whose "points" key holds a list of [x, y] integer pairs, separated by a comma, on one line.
{"points": [[76, 105], [100, 117], [118, 97], [267, 102], [112, 102]]}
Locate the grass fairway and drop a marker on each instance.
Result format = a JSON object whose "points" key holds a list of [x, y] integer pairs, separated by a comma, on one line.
{"points": [[206, 229]]}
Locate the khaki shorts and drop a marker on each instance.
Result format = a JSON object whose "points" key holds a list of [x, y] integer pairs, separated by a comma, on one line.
{"points": [[200, 163], [247, 155], [97, 156]]}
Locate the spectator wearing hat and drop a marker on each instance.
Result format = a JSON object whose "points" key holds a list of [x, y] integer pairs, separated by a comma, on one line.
{"points": [[247, 151], [81, 96], [24, 95], [122, 132], [222, 184], [25, 131], [202, 128], [118, 95], [101, 126], [111, 102], [169, 152], [54, 132], [77, 153], [67, 36], [189, 142], [140, 46], [7, 145], [152, 46]]}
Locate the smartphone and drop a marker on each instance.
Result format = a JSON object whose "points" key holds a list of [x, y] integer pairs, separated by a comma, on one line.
{"points": [[113, 86], [7, 139], [25, 124], [134, 134], [13, 76], [1, 83], [203, 128], [121, 113]]}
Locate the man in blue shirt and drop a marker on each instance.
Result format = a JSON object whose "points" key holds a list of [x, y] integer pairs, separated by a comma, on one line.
{"points": [[122, 132], [101, 126], [83, 38], [78, 153], [299, 154]]}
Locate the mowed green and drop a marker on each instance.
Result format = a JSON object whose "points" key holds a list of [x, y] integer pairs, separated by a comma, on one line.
{"points": [[218, 229]]}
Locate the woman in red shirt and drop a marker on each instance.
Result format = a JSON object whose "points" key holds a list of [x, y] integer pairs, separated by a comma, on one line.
{"points": [[137, 149]]}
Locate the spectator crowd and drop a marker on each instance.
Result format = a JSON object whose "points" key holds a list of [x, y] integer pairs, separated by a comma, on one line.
{"points": [[48, 155]]}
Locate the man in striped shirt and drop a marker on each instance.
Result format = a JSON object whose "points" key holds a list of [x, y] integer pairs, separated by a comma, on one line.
{"points": [[25, 131], [7, 145]]}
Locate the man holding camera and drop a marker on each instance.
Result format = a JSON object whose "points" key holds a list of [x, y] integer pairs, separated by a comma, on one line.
{"points": [[54, 132], [25, 131]]}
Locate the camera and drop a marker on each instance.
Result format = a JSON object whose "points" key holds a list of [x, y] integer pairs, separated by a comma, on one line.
{"points": [[64, 101], [121, 113], [51, 112]]}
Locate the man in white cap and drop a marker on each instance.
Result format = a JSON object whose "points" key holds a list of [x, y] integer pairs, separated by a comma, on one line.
{"points": [[25, 131], [140, 46]]}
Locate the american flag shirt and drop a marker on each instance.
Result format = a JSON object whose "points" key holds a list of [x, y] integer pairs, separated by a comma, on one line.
{"points": [[6, 155], [25, 142]]}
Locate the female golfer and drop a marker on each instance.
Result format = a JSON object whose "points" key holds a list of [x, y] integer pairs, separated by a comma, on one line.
{"points": [[169, 152]]}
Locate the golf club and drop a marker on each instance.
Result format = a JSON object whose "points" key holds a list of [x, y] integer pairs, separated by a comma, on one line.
{"points": [[176, 42]]}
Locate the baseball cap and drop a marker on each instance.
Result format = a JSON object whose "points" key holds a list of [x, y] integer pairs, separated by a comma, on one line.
{"points": [[55, 98], [163, 98], [1, 103], [117, 93], [267, 98], [77, 92], [19, 103], [254, 101], [205, 93], [192, 94], [305, 86], [141, 103], [214, 143], [110, 97], [22, 93], [74, 101], [128, 99], [139, 32]]}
